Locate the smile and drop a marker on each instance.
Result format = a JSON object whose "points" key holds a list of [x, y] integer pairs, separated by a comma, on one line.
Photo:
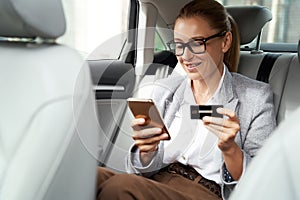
{"points": [[193, 66]]}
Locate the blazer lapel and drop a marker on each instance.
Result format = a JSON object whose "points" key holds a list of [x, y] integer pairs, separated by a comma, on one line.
{"points": [[227, 95], [227, 92], [231, 100], [172, 104]]}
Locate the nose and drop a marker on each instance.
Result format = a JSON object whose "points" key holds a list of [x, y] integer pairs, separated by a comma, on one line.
{"points": [[187, 54]]}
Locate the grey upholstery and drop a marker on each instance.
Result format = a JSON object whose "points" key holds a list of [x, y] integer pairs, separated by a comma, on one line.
{"points": [[291, 94], [278, 154], [32, 18], [48, 123], [250, 20], [250, 63], [299, 51]]}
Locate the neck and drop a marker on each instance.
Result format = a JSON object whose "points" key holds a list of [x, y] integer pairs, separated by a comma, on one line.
{"points": [[204, 89]]}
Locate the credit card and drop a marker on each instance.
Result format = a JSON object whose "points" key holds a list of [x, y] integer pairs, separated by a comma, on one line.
{"points": [[199, 111]]}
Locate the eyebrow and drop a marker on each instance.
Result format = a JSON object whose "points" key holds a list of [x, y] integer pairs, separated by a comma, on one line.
{"points": [[197, 37], [178, 39], [192, 38]]}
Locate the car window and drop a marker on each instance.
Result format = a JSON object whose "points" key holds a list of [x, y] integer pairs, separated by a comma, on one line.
{"points": [[93, 22], [159, 45], [282, 28]]}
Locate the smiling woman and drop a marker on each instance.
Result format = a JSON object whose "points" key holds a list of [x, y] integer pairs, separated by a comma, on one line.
{"points": [[195, 45], [227, 143], [64, 118]]}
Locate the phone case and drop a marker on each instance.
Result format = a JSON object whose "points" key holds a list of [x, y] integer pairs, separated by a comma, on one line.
{"points": [[145, 108]]}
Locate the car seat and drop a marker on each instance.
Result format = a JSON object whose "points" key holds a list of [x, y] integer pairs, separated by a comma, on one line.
{"points": [[274, 172], [48, 123]]}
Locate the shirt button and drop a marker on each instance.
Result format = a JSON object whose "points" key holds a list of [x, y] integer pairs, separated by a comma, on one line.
{"points": [[183, 157]]}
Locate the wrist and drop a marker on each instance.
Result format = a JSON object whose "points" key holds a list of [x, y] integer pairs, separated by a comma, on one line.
{"points": [[233, 159], [146, 157], [232, 150]]}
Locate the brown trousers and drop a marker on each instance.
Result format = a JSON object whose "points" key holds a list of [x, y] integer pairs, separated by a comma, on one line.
{"points": [[162, 186]]}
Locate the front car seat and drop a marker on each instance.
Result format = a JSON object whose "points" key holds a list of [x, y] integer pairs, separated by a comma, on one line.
{"points": [[48, 122], [274, 173]]}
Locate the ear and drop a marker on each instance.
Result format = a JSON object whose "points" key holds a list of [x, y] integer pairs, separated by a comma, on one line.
{"points": [[226, 44]]}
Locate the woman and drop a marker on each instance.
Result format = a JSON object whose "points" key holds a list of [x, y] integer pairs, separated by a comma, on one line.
{"points": [[204, 158]]}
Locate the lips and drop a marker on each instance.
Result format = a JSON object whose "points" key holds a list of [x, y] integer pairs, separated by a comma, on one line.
{"points": [[192, 66]]}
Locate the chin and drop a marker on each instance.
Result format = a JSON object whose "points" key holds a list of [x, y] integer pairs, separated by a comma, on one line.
{"points": [[195, 76]]}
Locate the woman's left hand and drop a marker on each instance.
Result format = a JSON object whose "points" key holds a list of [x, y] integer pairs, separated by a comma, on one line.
{"points": [[224, 129]]}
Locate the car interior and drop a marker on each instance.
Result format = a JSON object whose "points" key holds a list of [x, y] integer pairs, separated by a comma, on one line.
{"points": [[278, 68], [63, 115]]}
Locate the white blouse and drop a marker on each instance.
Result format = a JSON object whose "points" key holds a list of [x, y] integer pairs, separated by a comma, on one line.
{"points": [[192, 144]]}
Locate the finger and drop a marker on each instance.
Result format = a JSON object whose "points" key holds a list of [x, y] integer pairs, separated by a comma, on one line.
{"points": [[213, 120], [229, 113], [221, 122], [216, 132], [137, 121], [138, 124], [227, 132], [216, 127], [150, 141], [148, 148], [146, 133], [153, 139]]}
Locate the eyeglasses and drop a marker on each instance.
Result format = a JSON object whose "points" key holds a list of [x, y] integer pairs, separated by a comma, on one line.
{"points": [[196, 46]]}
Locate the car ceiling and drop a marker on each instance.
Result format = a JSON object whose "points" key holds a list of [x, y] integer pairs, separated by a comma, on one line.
{"points": [[167, 9]]}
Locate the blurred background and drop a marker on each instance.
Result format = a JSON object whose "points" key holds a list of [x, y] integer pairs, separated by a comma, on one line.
{"points": [[92, 22]]}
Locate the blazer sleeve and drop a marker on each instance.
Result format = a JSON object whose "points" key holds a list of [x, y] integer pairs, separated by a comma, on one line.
{"points": [[162, 91], [261, 125], [133, 163]]}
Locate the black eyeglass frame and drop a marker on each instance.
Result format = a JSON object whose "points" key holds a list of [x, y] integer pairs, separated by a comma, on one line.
{"points": [[187, 44]]}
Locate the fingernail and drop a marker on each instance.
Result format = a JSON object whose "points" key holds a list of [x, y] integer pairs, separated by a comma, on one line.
{"points": [[141, 120], [205, 118], [219, 109]]}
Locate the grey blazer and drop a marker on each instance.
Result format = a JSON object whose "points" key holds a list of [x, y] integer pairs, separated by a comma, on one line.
{"points": [[250, 99]]}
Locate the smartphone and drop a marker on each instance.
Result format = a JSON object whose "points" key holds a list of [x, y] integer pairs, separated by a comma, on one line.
{"points": [[145, 108], [199, 111]]}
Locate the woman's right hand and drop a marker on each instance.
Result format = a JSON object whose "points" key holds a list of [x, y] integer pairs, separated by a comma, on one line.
{"points": [[146, 139]]}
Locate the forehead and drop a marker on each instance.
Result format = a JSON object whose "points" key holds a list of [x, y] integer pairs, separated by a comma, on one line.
{"points": [[191, 27]]}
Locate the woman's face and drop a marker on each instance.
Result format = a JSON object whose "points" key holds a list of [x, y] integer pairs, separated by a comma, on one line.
{"points": [[205, 65]]}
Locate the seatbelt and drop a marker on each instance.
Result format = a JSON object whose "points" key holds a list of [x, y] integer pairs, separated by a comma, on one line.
{"points": [[266, 66]]}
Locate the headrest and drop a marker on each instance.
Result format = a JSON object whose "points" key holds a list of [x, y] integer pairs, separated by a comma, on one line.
{"points": [[250, 20], [166, 58], [32, 18], [299, 51]]}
